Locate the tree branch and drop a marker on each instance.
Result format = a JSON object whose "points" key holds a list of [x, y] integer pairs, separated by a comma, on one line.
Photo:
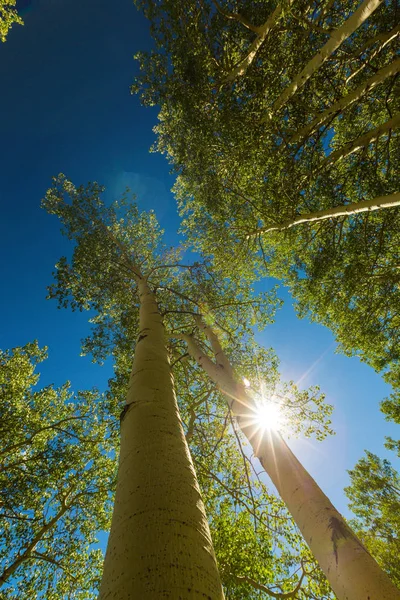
{"points": [[329, 213], [336, 39], [53, 561], [235, 17], [264, 588], [262, 33], [345, 101], [361, 142]]}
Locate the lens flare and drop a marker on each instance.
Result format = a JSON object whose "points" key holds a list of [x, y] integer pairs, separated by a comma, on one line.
{"points": [[269, 416]]}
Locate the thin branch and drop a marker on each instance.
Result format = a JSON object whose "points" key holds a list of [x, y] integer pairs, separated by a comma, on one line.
{"points": [[235, 17], [361, 142], [262, 33], [53, 561], [264, 588], [244, 458]]}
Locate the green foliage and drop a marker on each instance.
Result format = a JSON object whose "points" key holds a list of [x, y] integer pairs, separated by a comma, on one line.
{"points": [[8, 16], [374, 496], [244, 165], [114, 246], [56, 479]]}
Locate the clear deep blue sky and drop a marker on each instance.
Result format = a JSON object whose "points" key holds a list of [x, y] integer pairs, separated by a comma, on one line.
{"points": [[65, 106]]}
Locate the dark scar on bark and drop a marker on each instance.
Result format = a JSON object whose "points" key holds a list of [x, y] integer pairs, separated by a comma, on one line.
{"points": [[339, 530], [142, 334], [123, 412]]}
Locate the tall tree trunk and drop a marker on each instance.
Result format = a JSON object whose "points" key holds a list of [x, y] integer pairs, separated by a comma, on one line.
{"points": [[338, 211], [351, 571], [337, 37], [338, 107], [160, 544]]}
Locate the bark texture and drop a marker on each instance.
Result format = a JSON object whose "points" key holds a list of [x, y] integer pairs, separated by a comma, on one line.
{"points": [[351, 571], [160, 544]]}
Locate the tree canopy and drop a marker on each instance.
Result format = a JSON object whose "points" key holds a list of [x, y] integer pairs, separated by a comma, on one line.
{"points": [[281, 123], [56, 479], [271, 114], [114, 244]]}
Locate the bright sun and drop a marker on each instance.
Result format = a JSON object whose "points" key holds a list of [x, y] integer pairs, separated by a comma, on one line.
{"points": [[269, 416]]}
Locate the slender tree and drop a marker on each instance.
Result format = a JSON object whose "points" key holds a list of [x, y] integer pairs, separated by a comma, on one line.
{"points": [[349, 568], [159, 542]]}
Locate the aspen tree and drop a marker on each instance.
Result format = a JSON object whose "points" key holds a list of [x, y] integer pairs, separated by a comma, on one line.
{"points": [[349, 568], [160, 543], [121, 270]]}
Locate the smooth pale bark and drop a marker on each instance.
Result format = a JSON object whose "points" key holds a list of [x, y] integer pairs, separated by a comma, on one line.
{"points": [[351, 571], [160, 544], [347, 100], [361, 142], [262, 33], [337, 37], [339, 211]]}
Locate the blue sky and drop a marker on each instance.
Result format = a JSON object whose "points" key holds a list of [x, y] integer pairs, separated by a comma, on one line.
{"points": [[65, 106]]}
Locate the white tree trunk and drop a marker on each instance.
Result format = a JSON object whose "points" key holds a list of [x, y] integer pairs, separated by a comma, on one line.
{"points": [[337, 37], [346, 101], [339, 211], [351, 571], [160, 544]]}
